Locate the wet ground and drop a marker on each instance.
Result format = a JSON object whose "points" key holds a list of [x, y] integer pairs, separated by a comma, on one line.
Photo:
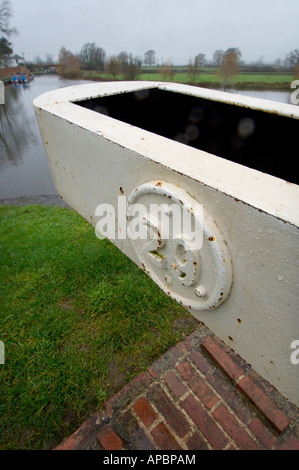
{"points": [[43, 200]]}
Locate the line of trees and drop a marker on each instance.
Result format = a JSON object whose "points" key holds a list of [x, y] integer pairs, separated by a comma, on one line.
{"points": [[290, 61], [228, 63], [93, 58]]}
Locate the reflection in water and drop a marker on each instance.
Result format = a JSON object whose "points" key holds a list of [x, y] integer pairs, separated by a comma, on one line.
{"points": [[24, 168], [16, 127], [281, 96]]}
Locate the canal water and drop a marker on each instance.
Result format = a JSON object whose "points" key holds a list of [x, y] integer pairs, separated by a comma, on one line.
{"points": [[24, 168]]}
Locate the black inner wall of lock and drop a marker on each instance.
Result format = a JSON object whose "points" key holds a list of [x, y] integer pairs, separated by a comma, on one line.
{"points": [[256, 139]]}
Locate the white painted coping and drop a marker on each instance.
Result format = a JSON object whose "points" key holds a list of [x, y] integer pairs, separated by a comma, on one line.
{"points": [[94, 159]]}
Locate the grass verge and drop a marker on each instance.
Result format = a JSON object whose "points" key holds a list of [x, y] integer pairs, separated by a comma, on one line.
{"points": [[244, 81], [78, 319]]}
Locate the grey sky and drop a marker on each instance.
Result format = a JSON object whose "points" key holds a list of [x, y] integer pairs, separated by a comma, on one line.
{"points": [[175, 29]]}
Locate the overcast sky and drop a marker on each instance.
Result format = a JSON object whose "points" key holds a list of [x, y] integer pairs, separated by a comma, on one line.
{"points": [[176, 29]]}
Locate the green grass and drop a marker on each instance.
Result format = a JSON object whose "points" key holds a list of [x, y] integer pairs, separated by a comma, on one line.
{"points": [[78, 320], [265, 78], [210, 78], [214, 78]]}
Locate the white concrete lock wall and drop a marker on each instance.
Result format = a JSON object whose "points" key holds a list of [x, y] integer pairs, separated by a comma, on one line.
{"points": [[94, 159]]}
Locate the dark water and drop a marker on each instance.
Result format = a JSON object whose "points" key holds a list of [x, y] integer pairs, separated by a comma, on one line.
{"points": [[24, 168]]}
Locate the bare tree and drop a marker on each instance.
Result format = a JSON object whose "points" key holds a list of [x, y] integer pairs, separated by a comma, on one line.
{"points": [[132, 68], [193, 69], [92, 57], [5, 16], [150, 58], [5, 30], [229, 68], [113, 66], [69, 64], [218, 57], [201, 58], [234, 51], [167, 71], [123, 58], [293, 58]]}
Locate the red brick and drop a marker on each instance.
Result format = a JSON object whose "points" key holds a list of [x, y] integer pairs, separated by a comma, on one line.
{"points": [[164, 439], [175, 385], [262, 433], [192, 342], [201, 363], [132, 433], [222, 358], [227, 391], [70, 443], [197, 385], [83, 436], [109, 440], [205, 423], [196, 442], [264, 404], [235, 431], [291, 444], [145, 412], [128, 393], [166, 407], [167, 361]]}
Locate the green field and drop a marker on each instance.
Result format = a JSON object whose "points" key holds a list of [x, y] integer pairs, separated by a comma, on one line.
{"points": [[78, 320], [210, 77]]}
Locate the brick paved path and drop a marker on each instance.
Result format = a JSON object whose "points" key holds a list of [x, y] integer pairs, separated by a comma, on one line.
{"points": [[199, 396]]}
